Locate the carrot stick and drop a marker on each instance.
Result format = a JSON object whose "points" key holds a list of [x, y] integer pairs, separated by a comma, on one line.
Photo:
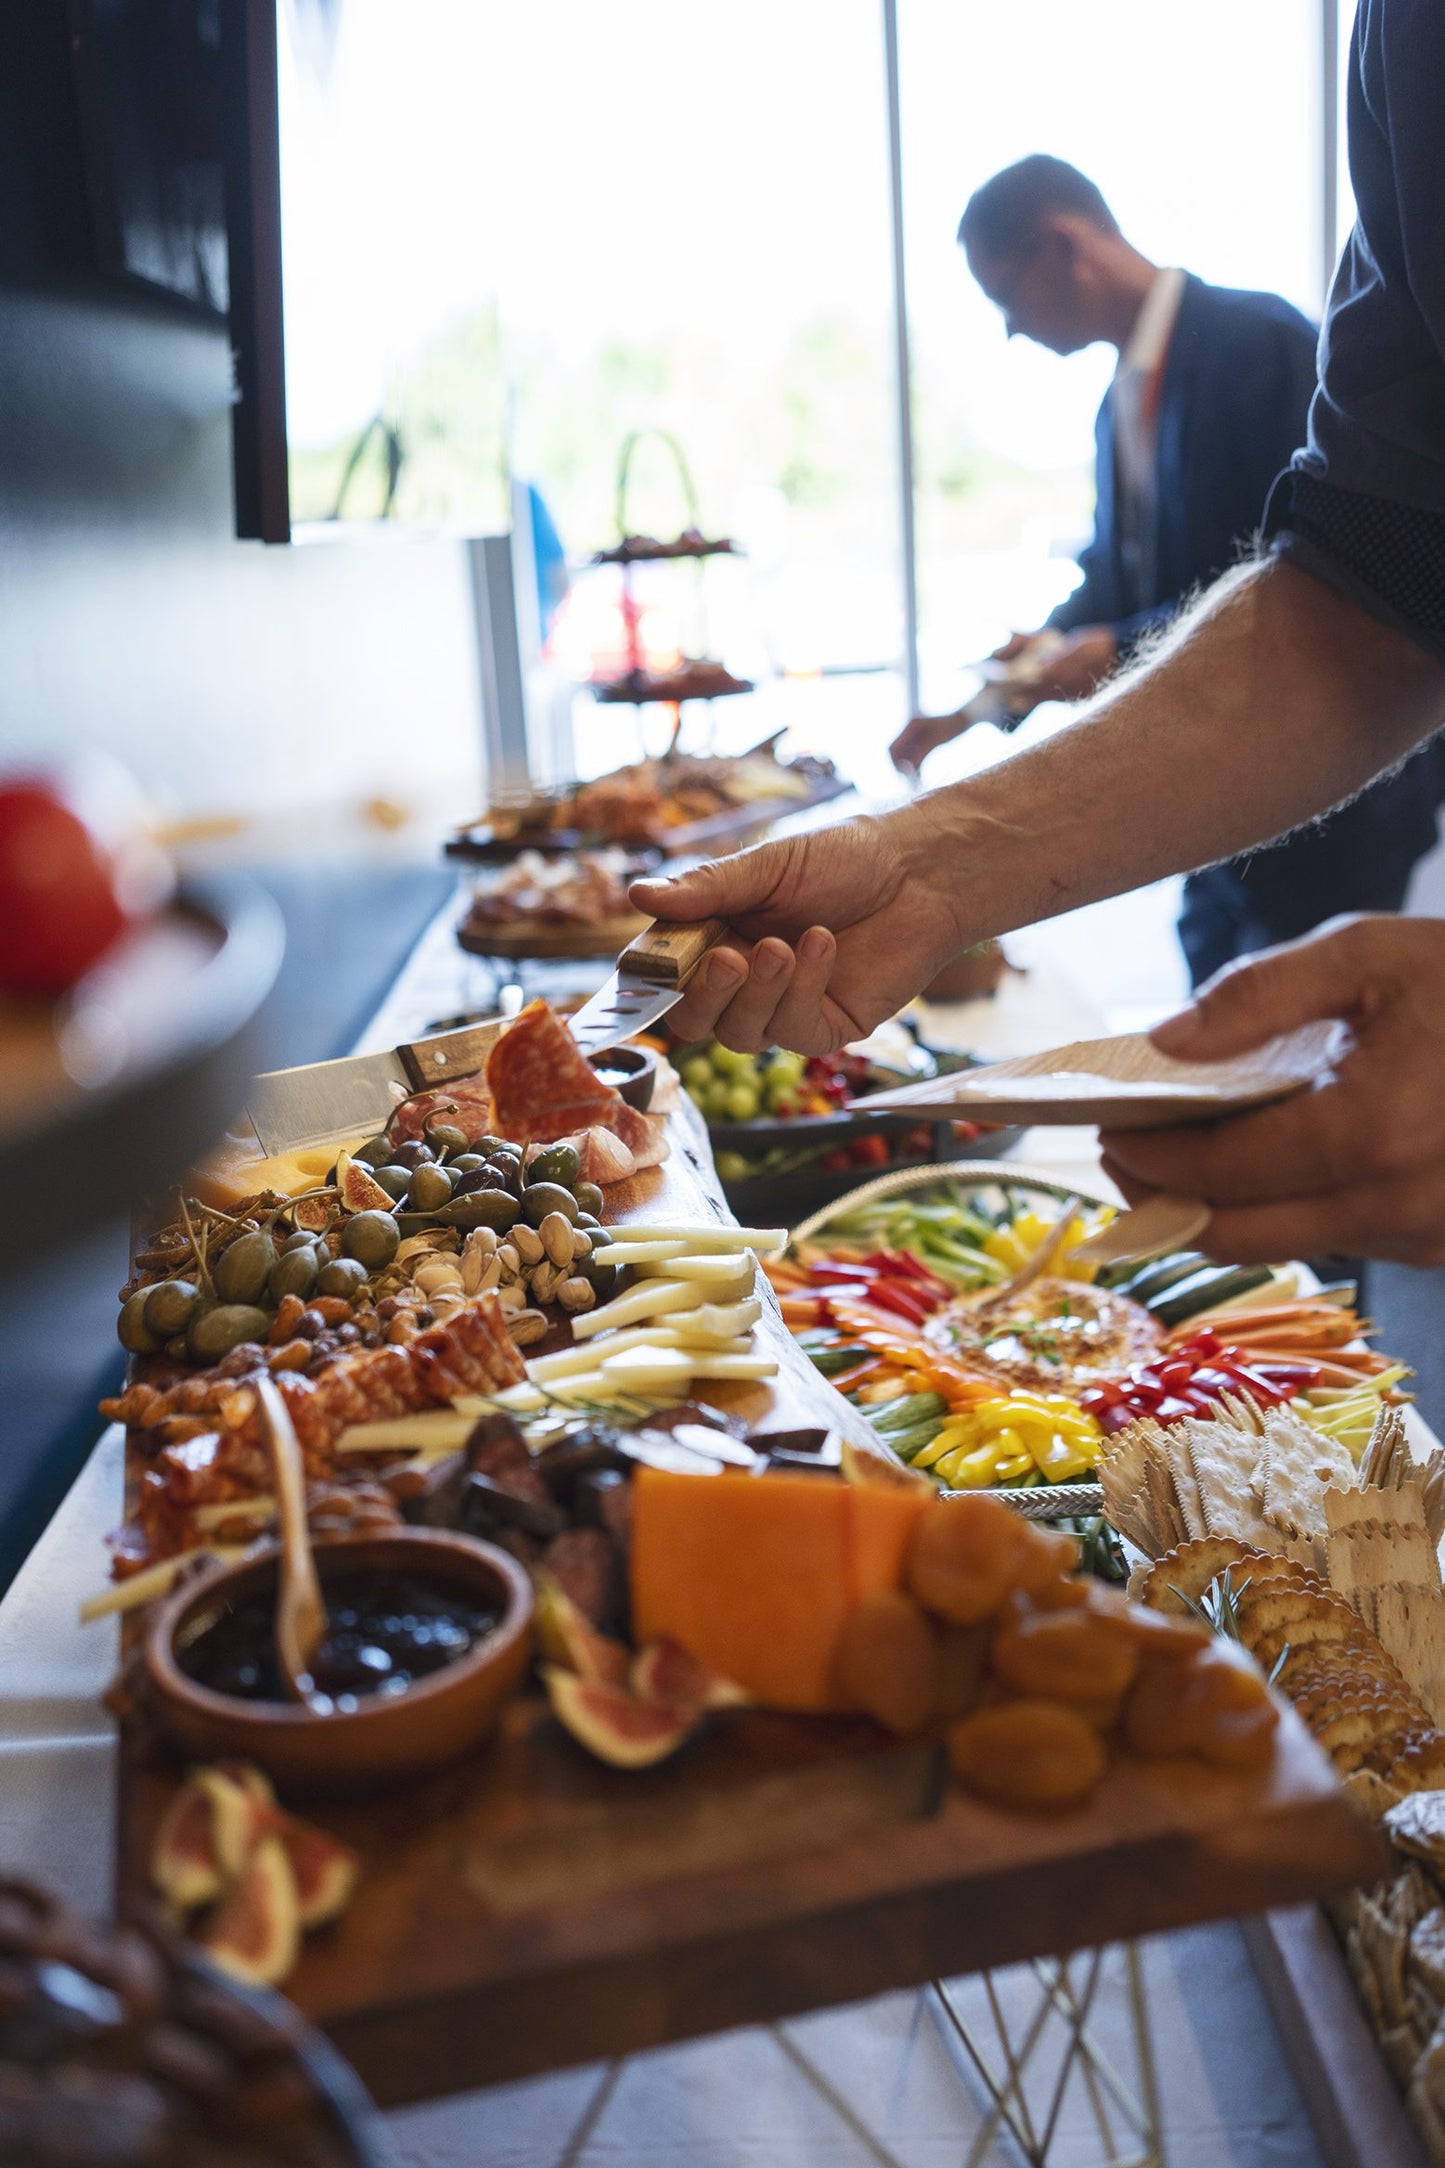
{"points": [[803, 1310]]}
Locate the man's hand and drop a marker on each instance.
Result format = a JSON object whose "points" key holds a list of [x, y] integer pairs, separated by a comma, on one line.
{"points": [[1073, 669], [1355, 1166], [833, 931], [922, 735]]}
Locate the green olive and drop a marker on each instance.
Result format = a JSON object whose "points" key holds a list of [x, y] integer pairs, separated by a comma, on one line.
{"points": [[540, 1198], [396, 1181], [345, 1276], [560, 1163], [599, 1276], [178, 1347], [243, 1268], [446, 1137], [598, 1235], [215, 1332], [430, 1188], [487, 1145], [589, 1199], [294, 1273], [376, 1152], [134, 1333], [494, 1208], [466, 1162], [170, 1306], [370, 1238]]}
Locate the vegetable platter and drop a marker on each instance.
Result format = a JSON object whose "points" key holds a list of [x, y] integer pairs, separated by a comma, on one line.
{"points": [[899, 1295]]}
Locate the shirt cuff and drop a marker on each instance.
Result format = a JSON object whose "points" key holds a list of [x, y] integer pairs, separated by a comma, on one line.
{"points": [[1387, 557]]}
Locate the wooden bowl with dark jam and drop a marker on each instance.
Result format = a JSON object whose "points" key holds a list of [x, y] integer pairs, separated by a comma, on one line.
{"points": [[430, 1632]]}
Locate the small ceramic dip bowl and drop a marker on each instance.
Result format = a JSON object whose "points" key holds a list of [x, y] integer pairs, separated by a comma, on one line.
{"points": [[430, 1633], [630, 1070]]}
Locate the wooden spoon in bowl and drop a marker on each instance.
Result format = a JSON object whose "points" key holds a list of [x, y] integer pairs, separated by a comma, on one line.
{"points": [[301, 1620]]}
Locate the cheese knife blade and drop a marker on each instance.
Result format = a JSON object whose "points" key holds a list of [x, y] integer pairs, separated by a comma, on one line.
{"points": [[652, 976], [329, 1100]]}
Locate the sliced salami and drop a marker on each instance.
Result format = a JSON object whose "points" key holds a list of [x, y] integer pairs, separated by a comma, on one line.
{"points": [[641, 1133], [542, 1084]]}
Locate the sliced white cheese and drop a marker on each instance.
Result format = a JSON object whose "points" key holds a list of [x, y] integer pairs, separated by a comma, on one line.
{"points": [[727, 1279], [572, 1361], [650, 1298], [713, 1236], [706, 1364], [649, 1368], [724, 1320], [153, 1581], [641, 1253], [437, 1430]]}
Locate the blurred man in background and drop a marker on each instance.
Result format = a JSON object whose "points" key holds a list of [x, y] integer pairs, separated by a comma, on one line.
{"points": [[1209, 401]]}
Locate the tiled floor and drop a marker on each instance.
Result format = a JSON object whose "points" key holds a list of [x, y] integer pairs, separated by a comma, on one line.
{"points": [[741, 2100]]}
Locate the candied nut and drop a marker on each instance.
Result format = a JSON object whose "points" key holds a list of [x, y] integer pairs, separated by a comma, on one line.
{"points": [[576, 1293], [556, 1234], [401, 1327], [1026, 1754], [295, 1355], [332, 1309], [527, 1327], [289, 1312], [527, 1242]]}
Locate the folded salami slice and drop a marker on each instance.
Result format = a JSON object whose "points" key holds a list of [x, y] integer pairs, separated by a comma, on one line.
{"points": [[542, 1084]]}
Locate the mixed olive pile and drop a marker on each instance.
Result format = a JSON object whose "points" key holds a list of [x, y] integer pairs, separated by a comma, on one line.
{"points": [[464, 1214]]}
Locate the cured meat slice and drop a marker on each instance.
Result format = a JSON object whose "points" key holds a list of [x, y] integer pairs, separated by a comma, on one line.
{"points": [[601, 1154], [542, 1084], [467, 1105], [641, 1133]]}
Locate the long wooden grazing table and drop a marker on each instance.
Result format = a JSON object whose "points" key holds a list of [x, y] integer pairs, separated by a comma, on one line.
{"points": [[530, 1909]]}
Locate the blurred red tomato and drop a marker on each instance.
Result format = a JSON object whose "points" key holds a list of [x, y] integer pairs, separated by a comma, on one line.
{"points": [[59, 907]]}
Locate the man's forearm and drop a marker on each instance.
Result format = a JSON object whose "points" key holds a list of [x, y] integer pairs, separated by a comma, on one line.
{"points": [[1270, 702]]}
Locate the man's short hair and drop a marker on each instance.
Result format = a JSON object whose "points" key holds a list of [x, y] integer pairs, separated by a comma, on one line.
{"points": [[1004, 217]]}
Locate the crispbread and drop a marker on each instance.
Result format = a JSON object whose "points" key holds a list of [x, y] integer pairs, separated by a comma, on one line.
{"points": [[1417, 1827], [1301, 1462], [1377, 1537], [1186, 1483], [1411, 1624], [1223, 1459]]}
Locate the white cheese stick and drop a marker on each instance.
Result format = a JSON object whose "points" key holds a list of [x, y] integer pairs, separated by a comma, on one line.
{"points": [[434, 1430], [640, 1253], [650, 1298], [548, 1370], [714, 1236], [730, 1278], [151, 1581], [724, 1320], [649, 1368]]}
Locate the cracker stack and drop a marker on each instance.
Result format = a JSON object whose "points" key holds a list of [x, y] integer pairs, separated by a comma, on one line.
{"points": [[1346, 1685], [1394, 1939]]}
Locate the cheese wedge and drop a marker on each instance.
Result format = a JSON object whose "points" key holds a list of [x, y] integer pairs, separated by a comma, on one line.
{"points": [[223, 1181]]}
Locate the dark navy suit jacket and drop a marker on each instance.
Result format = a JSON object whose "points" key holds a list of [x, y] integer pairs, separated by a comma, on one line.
{"points": [[1238, 381]]}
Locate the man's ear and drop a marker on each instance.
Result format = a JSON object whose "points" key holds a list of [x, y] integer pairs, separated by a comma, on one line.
{"points": [[1062, 238]]}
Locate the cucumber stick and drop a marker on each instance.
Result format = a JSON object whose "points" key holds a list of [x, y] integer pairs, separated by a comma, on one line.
{"points": [[1206, 1290], [1164, 1273]]}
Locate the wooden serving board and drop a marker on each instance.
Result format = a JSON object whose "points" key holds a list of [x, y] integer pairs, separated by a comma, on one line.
{"points": [[529, 1908]]}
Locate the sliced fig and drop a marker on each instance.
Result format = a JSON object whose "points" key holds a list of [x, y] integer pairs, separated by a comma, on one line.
{"points": [[313, 1213], [360, 1191], [256, 1932], [613, 1724], [663, 1672], [323, 1868], [185, 1864], [241, 1815], [566, 1639]]}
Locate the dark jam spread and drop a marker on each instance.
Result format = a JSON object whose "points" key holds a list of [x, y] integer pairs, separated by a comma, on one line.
{"points": [[384, 1633]]}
